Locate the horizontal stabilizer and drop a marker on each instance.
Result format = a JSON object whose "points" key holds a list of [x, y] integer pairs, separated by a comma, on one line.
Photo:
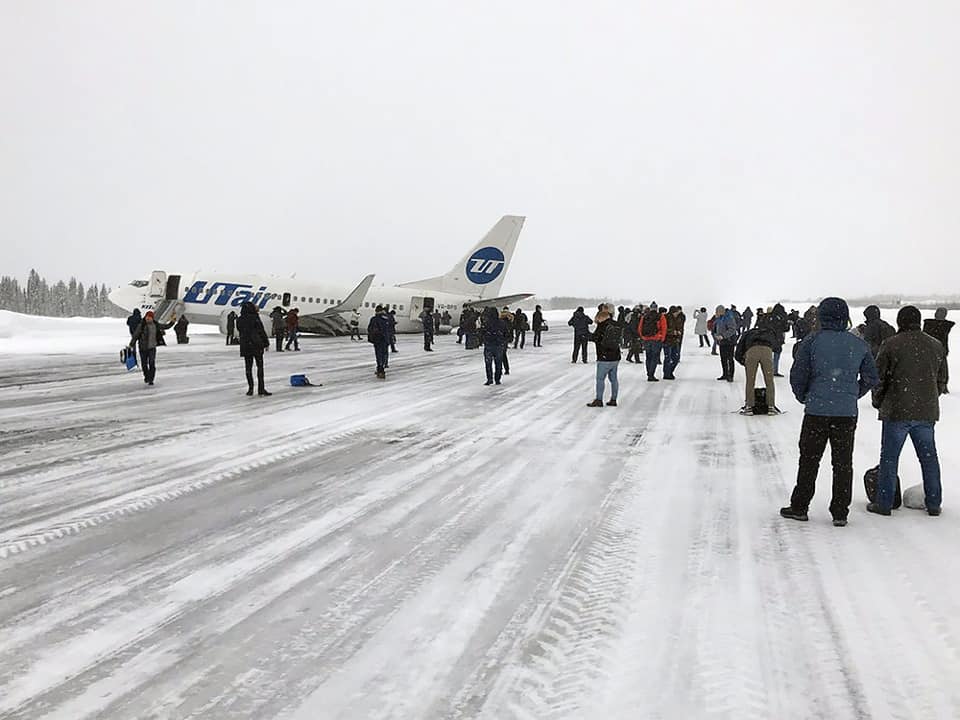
{"points": [[353, 301], [499, 302]]}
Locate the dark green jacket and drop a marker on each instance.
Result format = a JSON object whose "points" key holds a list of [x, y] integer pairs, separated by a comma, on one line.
{"points": [[913, 374]]}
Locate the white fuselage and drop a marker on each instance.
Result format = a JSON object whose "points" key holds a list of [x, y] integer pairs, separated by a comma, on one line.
{"points": [[209, 297]]}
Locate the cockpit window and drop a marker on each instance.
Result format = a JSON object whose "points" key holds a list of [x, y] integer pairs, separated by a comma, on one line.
{"points": [[139, 283]]}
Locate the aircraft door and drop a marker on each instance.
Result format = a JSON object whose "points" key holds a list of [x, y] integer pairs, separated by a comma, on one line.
{"points": [[173, 287], [419, 304], [285, 301], [158, 284], [416, 307]]}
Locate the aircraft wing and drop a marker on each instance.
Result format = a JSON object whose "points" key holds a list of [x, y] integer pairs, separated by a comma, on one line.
{"points": [[353, 301], [499, 302]]}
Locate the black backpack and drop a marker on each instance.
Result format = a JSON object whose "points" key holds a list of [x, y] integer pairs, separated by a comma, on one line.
{"points": [[871, 479], [651, 319], [612, 336]]}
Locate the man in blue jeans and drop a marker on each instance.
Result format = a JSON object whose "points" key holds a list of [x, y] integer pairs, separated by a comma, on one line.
{"points": [[913, 374], [608, 337]]}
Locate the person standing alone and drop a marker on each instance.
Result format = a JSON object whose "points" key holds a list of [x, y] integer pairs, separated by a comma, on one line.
{"points": [[253, 342], [538, 327], [378, 335], [832, 370], [581, 333], [494, 345], [913, 374]]}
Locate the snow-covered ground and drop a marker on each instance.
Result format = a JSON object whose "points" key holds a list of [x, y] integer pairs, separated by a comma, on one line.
{"points": [[426, 547]]}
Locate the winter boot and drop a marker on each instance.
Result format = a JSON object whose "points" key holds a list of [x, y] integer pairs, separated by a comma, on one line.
{"points": [[595, 403], [877, 510], [790, 514]]}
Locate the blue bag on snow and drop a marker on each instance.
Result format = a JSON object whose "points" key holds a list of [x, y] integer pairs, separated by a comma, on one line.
{"points": [[301, 381]]}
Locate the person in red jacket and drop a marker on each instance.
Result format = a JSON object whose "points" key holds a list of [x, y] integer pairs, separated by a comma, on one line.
{"points": [[653, 331]]}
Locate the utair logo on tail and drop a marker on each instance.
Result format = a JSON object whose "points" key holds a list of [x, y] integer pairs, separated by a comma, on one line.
{"points": [[485, 265]]}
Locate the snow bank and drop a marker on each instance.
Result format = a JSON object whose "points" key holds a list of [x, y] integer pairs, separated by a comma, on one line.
{"points": [[31, 334]]}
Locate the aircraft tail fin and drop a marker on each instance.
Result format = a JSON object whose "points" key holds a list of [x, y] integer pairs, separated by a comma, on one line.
{"points": [[482, 270]]}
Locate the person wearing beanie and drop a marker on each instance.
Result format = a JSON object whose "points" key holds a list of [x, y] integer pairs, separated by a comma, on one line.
{"points": [[832, 370], [253, 342], [913, 374], [939, 327], [874, 330]]}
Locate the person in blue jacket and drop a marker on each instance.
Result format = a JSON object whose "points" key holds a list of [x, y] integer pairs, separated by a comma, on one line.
{"points": [[833, 369]]}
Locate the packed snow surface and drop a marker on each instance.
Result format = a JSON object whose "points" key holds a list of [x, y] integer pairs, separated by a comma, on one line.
{"points": [[426, 547]]}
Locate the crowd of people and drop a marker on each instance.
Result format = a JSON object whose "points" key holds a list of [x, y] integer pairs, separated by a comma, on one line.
{"points": [[834, 365]]}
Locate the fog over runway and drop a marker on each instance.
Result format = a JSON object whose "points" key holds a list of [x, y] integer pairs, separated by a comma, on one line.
{"points": [[426, 547]]}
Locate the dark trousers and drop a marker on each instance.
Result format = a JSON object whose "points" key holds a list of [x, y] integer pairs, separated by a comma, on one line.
{"points": [[279, 340], [382, 352], [427, 340], [148, 363], [727, 351], [393, 342], [635, 347], [229, 337], [293, 339], [817, 430], [506, 362], [580, 346], [704, 341], [671, 358], [493, 362], [248, 361], [652, 352], [520, 339]]}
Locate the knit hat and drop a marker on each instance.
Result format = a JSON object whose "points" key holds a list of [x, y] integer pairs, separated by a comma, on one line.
{"points": [[834, 314], [908, 318]]}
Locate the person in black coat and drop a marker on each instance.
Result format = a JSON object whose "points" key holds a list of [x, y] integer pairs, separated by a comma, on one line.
{"points": [[133, 322], [379, 331], [495, 336], [537, 326], [940, 328], [581, 333], [181, 330], [253, 341], [874, 330]]}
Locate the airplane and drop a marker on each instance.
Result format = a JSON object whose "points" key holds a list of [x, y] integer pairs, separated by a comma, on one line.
{"points": [[208, 298]]}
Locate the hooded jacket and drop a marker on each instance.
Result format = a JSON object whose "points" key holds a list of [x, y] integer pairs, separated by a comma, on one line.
{"points": [[580, 324], [726, 328], [940, 329], [253, 338], [833, 368], [875, 331], [494, 330]]}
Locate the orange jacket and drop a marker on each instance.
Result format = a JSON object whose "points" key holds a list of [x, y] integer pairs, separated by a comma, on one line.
{"points": [[661, 330]]}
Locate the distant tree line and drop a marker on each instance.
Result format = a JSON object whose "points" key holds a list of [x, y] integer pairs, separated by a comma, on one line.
{"points": [[60, 299]]}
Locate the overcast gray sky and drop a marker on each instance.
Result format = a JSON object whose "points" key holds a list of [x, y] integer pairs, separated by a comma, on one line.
{"points": [[669, 150]]}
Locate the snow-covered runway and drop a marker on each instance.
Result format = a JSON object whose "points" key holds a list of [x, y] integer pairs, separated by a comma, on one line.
{"points": [[426, 547]]}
